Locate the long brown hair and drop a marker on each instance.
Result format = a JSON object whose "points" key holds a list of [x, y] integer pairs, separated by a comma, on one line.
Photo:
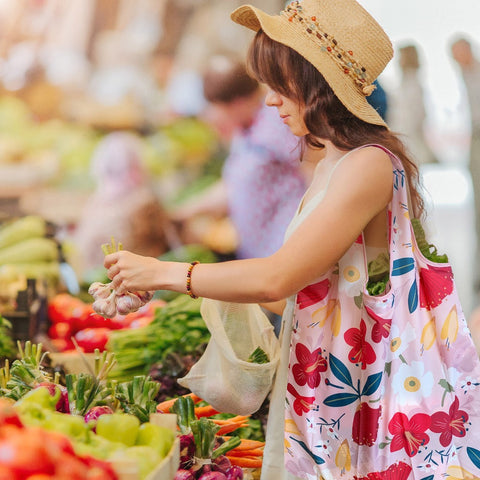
{"points": [[288, 73]]}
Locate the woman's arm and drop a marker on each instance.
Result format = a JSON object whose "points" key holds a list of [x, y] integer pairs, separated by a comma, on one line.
{"points": [[359, 190], [275, 307]]}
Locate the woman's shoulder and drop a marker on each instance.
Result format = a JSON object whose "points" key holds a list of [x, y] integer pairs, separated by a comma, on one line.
{"points": [[370, 159], [364, 170]]}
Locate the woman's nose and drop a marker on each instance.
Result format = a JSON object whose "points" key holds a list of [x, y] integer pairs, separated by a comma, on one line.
{"points": [[272, 99]]}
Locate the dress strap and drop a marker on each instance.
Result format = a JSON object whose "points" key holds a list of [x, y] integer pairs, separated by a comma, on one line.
{"points": [[341, 159]]}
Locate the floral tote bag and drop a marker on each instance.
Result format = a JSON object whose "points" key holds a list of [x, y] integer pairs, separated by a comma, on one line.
{"points": [[383, 387]]}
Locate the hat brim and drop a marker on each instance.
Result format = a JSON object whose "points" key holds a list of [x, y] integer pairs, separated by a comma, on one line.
{"points": [[278, 28]]}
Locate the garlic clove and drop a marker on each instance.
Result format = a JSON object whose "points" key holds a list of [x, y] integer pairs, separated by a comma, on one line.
{"points": [[127, 303], [100, 290], [145, 297]]}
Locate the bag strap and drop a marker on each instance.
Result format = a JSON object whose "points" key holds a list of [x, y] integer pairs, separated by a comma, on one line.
{"points": [[400, 230]]}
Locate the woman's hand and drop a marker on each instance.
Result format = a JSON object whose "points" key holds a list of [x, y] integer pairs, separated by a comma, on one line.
{"points": [[131, 272]]}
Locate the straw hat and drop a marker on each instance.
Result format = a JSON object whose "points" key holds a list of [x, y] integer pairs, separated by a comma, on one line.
{"points": [[339, 37]]}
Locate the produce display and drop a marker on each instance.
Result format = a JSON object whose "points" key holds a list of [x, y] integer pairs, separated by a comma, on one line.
{"points": [[177, 328], [72, 319], [206, 450], [104, 424], [103, 420], [34, 453]]}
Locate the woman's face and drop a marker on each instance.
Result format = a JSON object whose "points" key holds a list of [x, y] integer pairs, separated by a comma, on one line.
{"points": [[290, 111]]}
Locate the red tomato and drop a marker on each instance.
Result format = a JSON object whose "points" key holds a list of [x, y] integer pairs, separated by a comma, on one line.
{"points": [[7, 473], [99, 469], [61, 330], [40, 476], [93, 319], [141, 322], [61, 306], [71, 468], [8, 415], [118, 322], [58, 445], [26, 453], [91, 338], [62, 344]]}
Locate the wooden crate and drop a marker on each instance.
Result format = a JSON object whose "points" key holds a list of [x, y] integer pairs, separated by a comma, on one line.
{"points": [[74, 362]]}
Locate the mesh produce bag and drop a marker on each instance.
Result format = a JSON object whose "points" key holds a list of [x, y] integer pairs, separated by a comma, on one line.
{"points": [[223, 376]]}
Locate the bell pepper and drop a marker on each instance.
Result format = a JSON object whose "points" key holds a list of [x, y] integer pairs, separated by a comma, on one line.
{"points": [[119, 427], [39, 397], [156, 436]]}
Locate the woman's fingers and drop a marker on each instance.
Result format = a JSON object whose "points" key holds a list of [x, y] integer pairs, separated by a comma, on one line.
{"points": [[110, 260]]}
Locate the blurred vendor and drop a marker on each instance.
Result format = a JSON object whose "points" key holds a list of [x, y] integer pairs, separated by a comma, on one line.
{"points": [[123, 206], [263, 178]]}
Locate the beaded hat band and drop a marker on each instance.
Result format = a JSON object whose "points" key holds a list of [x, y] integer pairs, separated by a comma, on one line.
{"points": [[339, 37], [327, 43]]}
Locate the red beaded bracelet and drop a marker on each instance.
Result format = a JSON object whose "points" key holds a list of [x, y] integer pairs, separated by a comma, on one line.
{"points": [[189, 279]]}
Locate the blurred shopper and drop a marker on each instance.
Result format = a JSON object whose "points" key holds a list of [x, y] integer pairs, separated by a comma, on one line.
{"points": [[262, 179], [462, 53], [407, 116], [123, 206]]}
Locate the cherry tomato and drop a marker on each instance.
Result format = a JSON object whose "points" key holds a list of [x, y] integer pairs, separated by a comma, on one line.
{"points": [[91, 338]]}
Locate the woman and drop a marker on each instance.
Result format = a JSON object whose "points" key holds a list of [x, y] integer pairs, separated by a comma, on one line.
{"points": [[350, 400]]}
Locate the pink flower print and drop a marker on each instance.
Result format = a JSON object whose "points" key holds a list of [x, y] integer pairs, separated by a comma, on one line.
{"points": [[449, 424], [362, 352], [381, 327], [435, 284], [409, 434], [397, 471], [309, 366], [313, 294], [301, 404]]}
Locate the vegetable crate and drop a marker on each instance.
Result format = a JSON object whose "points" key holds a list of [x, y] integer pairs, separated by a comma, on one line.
{"points": [[74, 362], [127, 469]]}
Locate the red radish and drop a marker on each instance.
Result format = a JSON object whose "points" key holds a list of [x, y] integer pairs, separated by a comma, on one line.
{"points": [[221, 463], [95, 412], [182, 474], [187, 450], [234, 473], [62, 404], [212, 476]]}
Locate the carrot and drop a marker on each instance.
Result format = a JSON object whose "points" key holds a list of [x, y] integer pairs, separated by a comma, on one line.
{"points": [[206, 411], [246, 462], [254, 452], [166, 405], [247, 444], [237, 419], [230, 428]]}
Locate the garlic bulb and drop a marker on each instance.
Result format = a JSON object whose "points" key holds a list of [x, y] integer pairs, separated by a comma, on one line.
{"points": [[108, 304]]}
